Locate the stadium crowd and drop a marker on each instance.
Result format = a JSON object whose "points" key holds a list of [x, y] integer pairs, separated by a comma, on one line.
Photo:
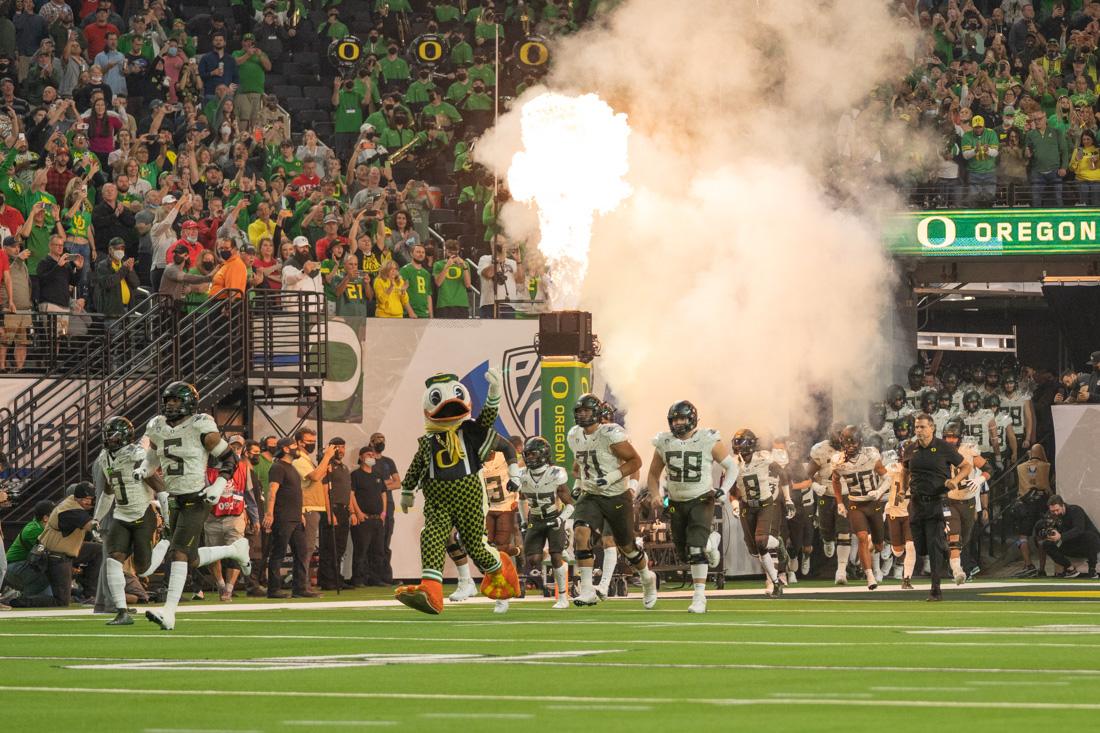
{"points": [[329, 521]]}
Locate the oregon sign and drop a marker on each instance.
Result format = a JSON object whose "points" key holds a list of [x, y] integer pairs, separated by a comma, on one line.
{"points": [[986, 232]]}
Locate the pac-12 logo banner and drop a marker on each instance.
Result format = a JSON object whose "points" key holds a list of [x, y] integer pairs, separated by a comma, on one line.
{"points": [[522, 390]]}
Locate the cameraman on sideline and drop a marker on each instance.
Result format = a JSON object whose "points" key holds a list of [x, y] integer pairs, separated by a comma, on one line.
{"points": [[500, 271], [1066, 530]]}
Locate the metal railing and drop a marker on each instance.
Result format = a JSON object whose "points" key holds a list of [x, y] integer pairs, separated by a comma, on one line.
{"points": [[287, 345], [959, 194]]}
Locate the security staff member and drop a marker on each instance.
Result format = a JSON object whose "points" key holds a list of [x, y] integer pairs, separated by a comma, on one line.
{"points": [[63, 541], [927, 462], [283, 519], [335, 524]]}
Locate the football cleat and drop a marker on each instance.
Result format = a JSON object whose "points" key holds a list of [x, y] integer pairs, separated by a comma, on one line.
{"points": [[777, 589], [841, 577], [699, 605], [602, 592], [163, 618], [500, 607], [829, 548], [906, 584], [711, 550], [502, 583], [586, 599], [872, 581], [156, 558], [466, 589], [240, 554], [426, 597], [562, 602], [792, 577], [122, 618], [959, 576], [649, 588]]}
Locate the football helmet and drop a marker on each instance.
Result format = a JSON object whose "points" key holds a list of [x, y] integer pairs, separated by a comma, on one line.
{"points": [[895, 396], [586, 412], [915, 376], [117, 432], [744, 443], [903, 427], [991, 402], [972, 400], [1009, 381], [682, 418], [876, 415], [536, 452], [953, 432], [928, 401], [943, 400], [851, 441], [951, 380], [834, 434], [992, 377], [180, 400]]}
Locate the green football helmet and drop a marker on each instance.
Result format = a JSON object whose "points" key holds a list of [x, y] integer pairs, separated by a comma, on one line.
{"points": [[586, 412], [536, 452], [117, 432], [180, 400]]}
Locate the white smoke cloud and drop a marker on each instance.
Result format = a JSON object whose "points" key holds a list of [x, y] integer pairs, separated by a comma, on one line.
{"points": [[729, 277]]}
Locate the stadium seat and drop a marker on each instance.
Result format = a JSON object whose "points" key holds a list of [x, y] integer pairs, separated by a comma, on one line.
{"points": [[441, 216], [285, 91], [451, 229]]}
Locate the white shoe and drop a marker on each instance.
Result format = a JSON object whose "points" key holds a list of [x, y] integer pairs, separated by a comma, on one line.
{"points": [[792, 565], [878, 577], [792, 578], [711, 550], [698, 605], [160, 550], [240, 554], [163, 618], [602, 591], [562, 602], [466, 589], [500, 607], [586, 599], [897, 572], [872, 581], [649, 588], [805, 565], [829, 548], [960, 577], [841, 578]]}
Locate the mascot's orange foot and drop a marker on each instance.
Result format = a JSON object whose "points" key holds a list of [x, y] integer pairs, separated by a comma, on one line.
{"points": [[426, 597], [501, 584]]}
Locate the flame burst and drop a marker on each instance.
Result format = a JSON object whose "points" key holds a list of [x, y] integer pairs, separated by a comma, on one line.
{"points": [[572, 167]]}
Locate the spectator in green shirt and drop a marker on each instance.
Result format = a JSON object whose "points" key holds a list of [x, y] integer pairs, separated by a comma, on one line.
{"points": [[481, 70], [477, 99], [347, 116], [252, 67], [420, 283], [462, 54], [19, 576], [452, 279], [354, 291], [446, 12], [419, 91], [458, 89], [1046, 148], [979, 148], [333, 28], [394, 68], [332, 271], [437, 106]]}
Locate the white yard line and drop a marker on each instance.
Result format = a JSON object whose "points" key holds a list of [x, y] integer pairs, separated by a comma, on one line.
{"points": [[478, 716], [807, 593], [579, 701], [340, 723]]}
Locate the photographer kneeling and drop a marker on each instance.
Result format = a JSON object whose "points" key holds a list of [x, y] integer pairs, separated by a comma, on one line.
{"points": [[1067, 531]]}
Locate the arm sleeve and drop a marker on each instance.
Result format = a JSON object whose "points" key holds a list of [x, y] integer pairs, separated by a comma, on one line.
{"points": [[1076, 515], [505, 446], [729, 477]]}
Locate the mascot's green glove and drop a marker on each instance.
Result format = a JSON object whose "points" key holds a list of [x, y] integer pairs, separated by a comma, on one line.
{"points": [[408, 498], [496, 383]]}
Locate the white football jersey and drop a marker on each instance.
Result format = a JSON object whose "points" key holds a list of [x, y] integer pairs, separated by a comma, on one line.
{"points": [[593, 455], [132, 498], [940, 418], [1004, 425], [494, 476], [180, 452], [897, 501], [885, 434], [857, 476], [688, 463], [976, 425], [755, 481], [822, 454], [912, 398], [906, 409], [969, 449], [539, 488], [1015, 406]]}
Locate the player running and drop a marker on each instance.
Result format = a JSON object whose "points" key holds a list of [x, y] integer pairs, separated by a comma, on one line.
{"points": [[687, 454], [859, 497], [603, 458], [182, 440], [897, 518], [546, 505], [834, 528], [755, 501], [134, 520]]}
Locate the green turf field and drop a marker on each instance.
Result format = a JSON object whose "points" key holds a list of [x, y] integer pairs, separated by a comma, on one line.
{"points": [[980, 661]]}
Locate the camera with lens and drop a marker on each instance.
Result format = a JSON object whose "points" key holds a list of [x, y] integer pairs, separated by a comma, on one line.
{"points": [[1046, 528]]}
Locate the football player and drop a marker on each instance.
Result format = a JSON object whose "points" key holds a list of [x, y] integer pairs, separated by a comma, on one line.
{"points": [[1005, 435], [499, 474], [980, 424], [896, 404], [835, 531], [964, 501], [915, 377], [603, 458], [856, 470], [546, 505], [944, 410], [897, 518], [686, 454], [134, 520], [876, 424], [755, 501], [951, 386], [181, 441], [800, 527], [610, 559], [991, 382], [1019, 407]]}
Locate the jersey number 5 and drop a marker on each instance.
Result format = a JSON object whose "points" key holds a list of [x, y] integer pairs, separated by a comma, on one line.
{"points": [[176, 467], [684, 466]]}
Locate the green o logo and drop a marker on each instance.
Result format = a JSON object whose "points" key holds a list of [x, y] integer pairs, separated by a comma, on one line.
{"points": [[559, 387]]}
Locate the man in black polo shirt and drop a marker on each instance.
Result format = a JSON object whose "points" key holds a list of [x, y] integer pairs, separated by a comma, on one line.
{"points": [[928, 463], [372, 501], [283, 519], [336, 523], [388, 469]]}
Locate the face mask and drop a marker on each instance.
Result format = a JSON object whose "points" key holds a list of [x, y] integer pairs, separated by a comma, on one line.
{"points": [[369, 461], [309, 447], [118, 254], [294, 454], [380, 447], [225, 254], [207, 266], [192, 236], [254, 460], [179, 259]]}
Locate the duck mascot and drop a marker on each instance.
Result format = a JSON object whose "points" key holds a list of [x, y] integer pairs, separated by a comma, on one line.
{"points": [[445, 468]]}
